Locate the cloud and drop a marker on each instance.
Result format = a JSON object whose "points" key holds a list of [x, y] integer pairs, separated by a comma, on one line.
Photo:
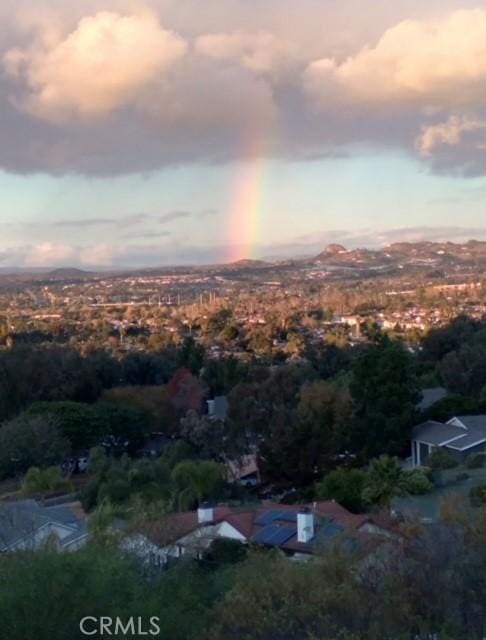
{"points": [[155, 254], [433, 64], [97, 68], [104, 87], [450, 132], [123, 222], [314, 243], [260, 51], [148, 235], [49, 253], [173, 215]]}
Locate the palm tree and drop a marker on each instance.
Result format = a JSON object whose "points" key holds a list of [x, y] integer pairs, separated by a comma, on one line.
{"points": [[385, 480]]}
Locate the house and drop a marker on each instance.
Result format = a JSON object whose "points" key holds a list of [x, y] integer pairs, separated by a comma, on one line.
{"points": [[461, 436], [218, 408], [243, 471], [297, 530], [26, 524]]}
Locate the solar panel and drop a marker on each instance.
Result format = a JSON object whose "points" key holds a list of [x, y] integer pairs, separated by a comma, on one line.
{"points": [[282, 535], [271, 516], [274, 535], [264, 534], [287, 516], [267, 518]]}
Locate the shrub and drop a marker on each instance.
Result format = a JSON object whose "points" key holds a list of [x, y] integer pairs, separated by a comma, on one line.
{"points": [[223, 552], [44, 480], [343, 485], [417, 482], [476, 461], [441, 459], [477, 496]]}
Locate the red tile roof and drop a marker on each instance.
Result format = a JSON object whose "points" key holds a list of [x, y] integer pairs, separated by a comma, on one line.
{"points": [[172, 527]]}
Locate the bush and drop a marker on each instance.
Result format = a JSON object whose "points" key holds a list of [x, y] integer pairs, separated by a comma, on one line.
{"points": [[343, 485], [441, 459], [44, 480], [477, 496], [116, 490], [223, 552], [476, 461], [89, 494], [417, 482]]}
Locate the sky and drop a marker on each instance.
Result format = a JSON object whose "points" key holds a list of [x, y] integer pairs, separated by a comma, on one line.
{"points": [[143, 133]]}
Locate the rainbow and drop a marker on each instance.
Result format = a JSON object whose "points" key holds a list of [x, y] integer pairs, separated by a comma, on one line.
{"points": [[245, 203]]}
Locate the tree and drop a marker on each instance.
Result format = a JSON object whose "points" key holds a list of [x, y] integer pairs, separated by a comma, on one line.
{"points": [[345, 486], [439, 342], [464, 371], [385, 392], [185, 392], [223, 374], [261, 341], [123, 428], [304, 443], [205, 435], [191, 356], [77, 421], [31, 441], [154, 401], [274, 599], [100, 581], [384, 481], [229, 334], [30, 374], [196, 482]]}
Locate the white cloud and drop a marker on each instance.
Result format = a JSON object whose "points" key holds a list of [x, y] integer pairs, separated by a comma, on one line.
{"points": [[95, 69], [133, 89], [260, 51], [101, 255], [451, 132], [432, 63], [48, 253], [168, 252]]}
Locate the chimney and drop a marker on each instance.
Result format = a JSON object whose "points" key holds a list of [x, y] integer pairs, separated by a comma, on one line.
{"points": [[205, 513], [305, 525]]}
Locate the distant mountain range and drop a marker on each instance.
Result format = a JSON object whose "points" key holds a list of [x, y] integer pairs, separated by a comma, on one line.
{"points": [[395, 256], [406, 253]]}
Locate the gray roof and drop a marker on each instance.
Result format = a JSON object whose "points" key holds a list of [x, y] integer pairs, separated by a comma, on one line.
{"points": [[473, 422], [17, 520], [436, 433], [459, 438], [22, 519], [220, 410], [430, 397], [467, 441]]}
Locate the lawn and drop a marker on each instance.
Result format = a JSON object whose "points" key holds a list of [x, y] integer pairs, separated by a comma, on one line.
{"points": [[428, 506]]}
